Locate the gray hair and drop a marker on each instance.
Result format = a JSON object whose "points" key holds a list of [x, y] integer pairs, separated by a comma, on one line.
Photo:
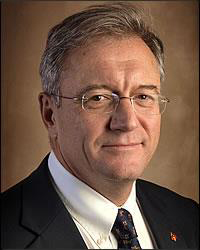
{"points": [[111, 19]]}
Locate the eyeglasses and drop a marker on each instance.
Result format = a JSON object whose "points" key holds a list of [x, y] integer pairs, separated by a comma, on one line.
{"points": [[106, 102]]}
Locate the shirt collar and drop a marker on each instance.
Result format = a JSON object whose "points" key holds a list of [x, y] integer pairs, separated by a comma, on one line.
{"points": [[92, 210]]}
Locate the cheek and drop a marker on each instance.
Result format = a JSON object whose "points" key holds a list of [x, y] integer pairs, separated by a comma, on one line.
{"points": [[152, 128], [155, 132], [93, 127], [68, 127]]}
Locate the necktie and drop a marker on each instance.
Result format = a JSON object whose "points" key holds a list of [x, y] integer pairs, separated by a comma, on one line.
{"points": [[124, 231]]}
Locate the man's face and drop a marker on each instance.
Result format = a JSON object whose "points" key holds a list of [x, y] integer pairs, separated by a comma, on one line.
{"points": [[114, 146]]}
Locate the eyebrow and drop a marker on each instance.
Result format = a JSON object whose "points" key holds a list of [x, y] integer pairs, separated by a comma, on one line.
{"points": [[93, 87], [104, 86], [149, 86]]}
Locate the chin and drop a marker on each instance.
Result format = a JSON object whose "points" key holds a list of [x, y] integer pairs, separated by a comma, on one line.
{"points": [[123, 172]]}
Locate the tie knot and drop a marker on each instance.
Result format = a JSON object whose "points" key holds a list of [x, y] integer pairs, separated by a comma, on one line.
{"points": [[123, 227]]}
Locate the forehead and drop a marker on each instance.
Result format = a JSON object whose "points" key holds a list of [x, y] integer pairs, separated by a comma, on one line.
{"points": [[113, 62]]}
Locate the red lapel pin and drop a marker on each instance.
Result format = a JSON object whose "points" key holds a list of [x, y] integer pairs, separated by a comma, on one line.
{"points": [[173, 236]]}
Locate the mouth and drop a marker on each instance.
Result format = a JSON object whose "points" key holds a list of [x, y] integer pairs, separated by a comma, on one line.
{"points": [[129, 146]]}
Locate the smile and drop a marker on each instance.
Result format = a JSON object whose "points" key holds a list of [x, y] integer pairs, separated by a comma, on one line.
{"points": [[121, 147]]}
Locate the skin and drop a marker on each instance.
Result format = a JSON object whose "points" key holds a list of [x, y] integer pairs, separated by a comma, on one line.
{"points": [[106, 151]]}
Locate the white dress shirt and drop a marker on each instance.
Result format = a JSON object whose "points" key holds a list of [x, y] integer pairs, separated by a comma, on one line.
{"points": [[93, 214]]}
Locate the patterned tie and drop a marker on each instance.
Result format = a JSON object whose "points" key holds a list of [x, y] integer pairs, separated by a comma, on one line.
{"points": [[124, 231]]}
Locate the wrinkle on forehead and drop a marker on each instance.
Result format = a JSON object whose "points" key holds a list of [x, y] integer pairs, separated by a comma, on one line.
{"points": [[127, 70], [113, 61]]}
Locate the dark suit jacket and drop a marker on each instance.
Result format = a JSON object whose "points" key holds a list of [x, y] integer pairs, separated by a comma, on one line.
{"points": [[33, 216]]}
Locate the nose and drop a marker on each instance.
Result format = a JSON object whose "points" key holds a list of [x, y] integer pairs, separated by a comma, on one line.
{"points": [[124, 117]]}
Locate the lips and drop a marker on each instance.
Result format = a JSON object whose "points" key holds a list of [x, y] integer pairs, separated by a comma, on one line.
{"points": [[118, 147], [122, 145], [122, 148]]}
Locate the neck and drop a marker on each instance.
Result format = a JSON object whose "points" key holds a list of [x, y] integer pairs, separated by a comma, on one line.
{"points": [[117, 191]]}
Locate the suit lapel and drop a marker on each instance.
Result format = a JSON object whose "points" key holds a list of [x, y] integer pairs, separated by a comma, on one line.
{"points": [[44, 214], [165, 231], [60, 233]]}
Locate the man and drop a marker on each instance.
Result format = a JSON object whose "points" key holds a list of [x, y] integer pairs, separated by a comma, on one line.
{"points": [[101, 104]]}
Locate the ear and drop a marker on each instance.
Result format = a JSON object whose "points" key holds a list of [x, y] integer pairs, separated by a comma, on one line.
{"points": [[47, 109]]}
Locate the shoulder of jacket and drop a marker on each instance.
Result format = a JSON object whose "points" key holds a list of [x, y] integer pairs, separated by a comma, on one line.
{"points": [[165, 195]]}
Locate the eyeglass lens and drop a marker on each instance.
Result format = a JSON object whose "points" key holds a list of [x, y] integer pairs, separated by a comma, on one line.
{"points": [[106, 103]]}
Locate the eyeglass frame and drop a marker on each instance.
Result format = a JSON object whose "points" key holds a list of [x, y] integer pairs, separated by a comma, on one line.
{"points": [[75, 99]]}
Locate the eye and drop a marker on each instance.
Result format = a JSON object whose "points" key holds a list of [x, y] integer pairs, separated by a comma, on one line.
{"points": [[97, 101], [98, 98], [144, 97]]}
